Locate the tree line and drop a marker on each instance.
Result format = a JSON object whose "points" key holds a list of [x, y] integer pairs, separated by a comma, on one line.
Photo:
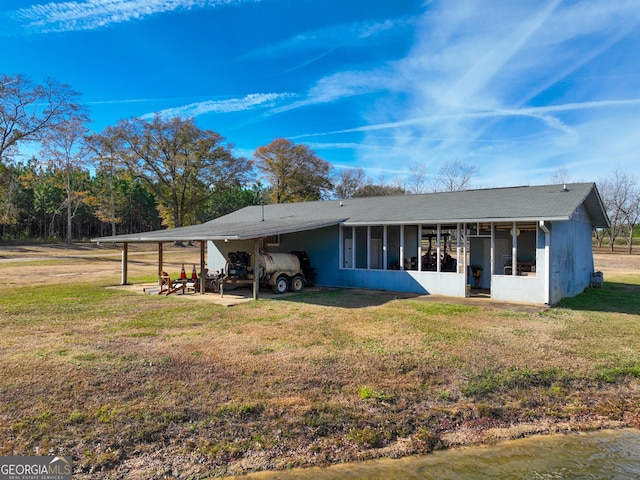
{"points": [[137, 175], [143, 174]]}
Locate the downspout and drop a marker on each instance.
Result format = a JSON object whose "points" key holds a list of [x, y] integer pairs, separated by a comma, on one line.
{"points": [[465, 234], [256, 279], [492, 255], [547, 261]]}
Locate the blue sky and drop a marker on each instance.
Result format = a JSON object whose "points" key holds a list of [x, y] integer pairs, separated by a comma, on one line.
{"points": [[517, 88]]}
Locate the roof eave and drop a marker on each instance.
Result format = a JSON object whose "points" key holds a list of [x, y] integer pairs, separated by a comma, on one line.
{"points": [[293, 229], [170, 235], [459, 220], [164, 239]]}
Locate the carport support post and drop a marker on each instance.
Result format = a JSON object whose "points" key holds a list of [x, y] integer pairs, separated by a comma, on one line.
{"points": [[160, 264], [202, 279], [256, 280], [125, 261]]}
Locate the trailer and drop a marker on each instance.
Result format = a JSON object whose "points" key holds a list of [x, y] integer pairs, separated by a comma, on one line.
{"points": [[281, 271]]}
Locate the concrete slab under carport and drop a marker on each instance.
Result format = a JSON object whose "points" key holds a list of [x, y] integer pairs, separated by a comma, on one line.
{"points": [[230, 298]]}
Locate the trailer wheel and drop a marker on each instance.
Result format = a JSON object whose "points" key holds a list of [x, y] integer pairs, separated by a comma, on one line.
{"points": [[297, 283], [281, 284]]}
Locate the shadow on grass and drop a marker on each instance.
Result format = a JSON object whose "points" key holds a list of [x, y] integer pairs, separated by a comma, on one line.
{"points": [[612, 297], [346, 298]]}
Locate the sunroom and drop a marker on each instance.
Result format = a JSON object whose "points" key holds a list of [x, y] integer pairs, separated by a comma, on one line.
{"points": [[447, 259]]}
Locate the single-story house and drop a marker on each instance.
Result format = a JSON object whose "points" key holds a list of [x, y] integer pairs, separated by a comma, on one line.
{"points": [[524, 244]]}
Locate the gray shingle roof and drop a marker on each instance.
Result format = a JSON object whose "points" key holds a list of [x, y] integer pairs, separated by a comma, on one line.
{"points": [[521, 204]]}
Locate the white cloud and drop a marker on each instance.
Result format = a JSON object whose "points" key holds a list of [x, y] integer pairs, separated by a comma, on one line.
{"points": [[91, 14], [508, 85], [116, 102], [541, 113], [330, 38], [248, 102], [339, 86]]}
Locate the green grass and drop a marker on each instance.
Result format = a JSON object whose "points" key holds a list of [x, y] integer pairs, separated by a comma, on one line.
{"points": [[615, 374], [56, 299], [487, 382], [612, 297], [366, 393]]}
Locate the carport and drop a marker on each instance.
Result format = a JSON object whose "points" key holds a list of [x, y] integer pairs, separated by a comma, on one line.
{"points": [[211, 232]]}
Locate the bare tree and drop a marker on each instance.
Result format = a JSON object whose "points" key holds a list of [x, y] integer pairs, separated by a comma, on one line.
{"points": [[633, 217], [621, 197], [453, 176], [294, 172], [182, 165], [27, 110], [65, 150], [599, 234], [417, 182], [8, 188], [397, 183], [630, 207], [561, 176], [349, 180], [378, 190], [109, 168]]}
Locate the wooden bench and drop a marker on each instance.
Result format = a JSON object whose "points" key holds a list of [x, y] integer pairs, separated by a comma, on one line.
{"points": [[521, 268], [167, 287]]}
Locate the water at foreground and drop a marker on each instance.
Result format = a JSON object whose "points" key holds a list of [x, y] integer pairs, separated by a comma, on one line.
{"points": [[610, 454]]}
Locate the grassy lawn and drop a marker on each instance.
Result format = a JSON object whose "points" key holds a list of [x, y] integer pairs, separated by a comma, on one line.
{"points": [[137, 386]]}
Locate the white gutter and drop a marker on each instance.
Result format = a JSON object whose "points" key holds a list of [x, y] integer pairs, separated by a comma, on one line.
{"points": [[547, 261], [454, 221]]}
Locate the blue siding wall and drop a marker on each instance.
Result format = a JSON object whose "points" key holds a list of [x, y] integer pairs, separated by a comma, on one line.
{"points": [[571, 257], [571, 264], [217, 252], [321, 246]]}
